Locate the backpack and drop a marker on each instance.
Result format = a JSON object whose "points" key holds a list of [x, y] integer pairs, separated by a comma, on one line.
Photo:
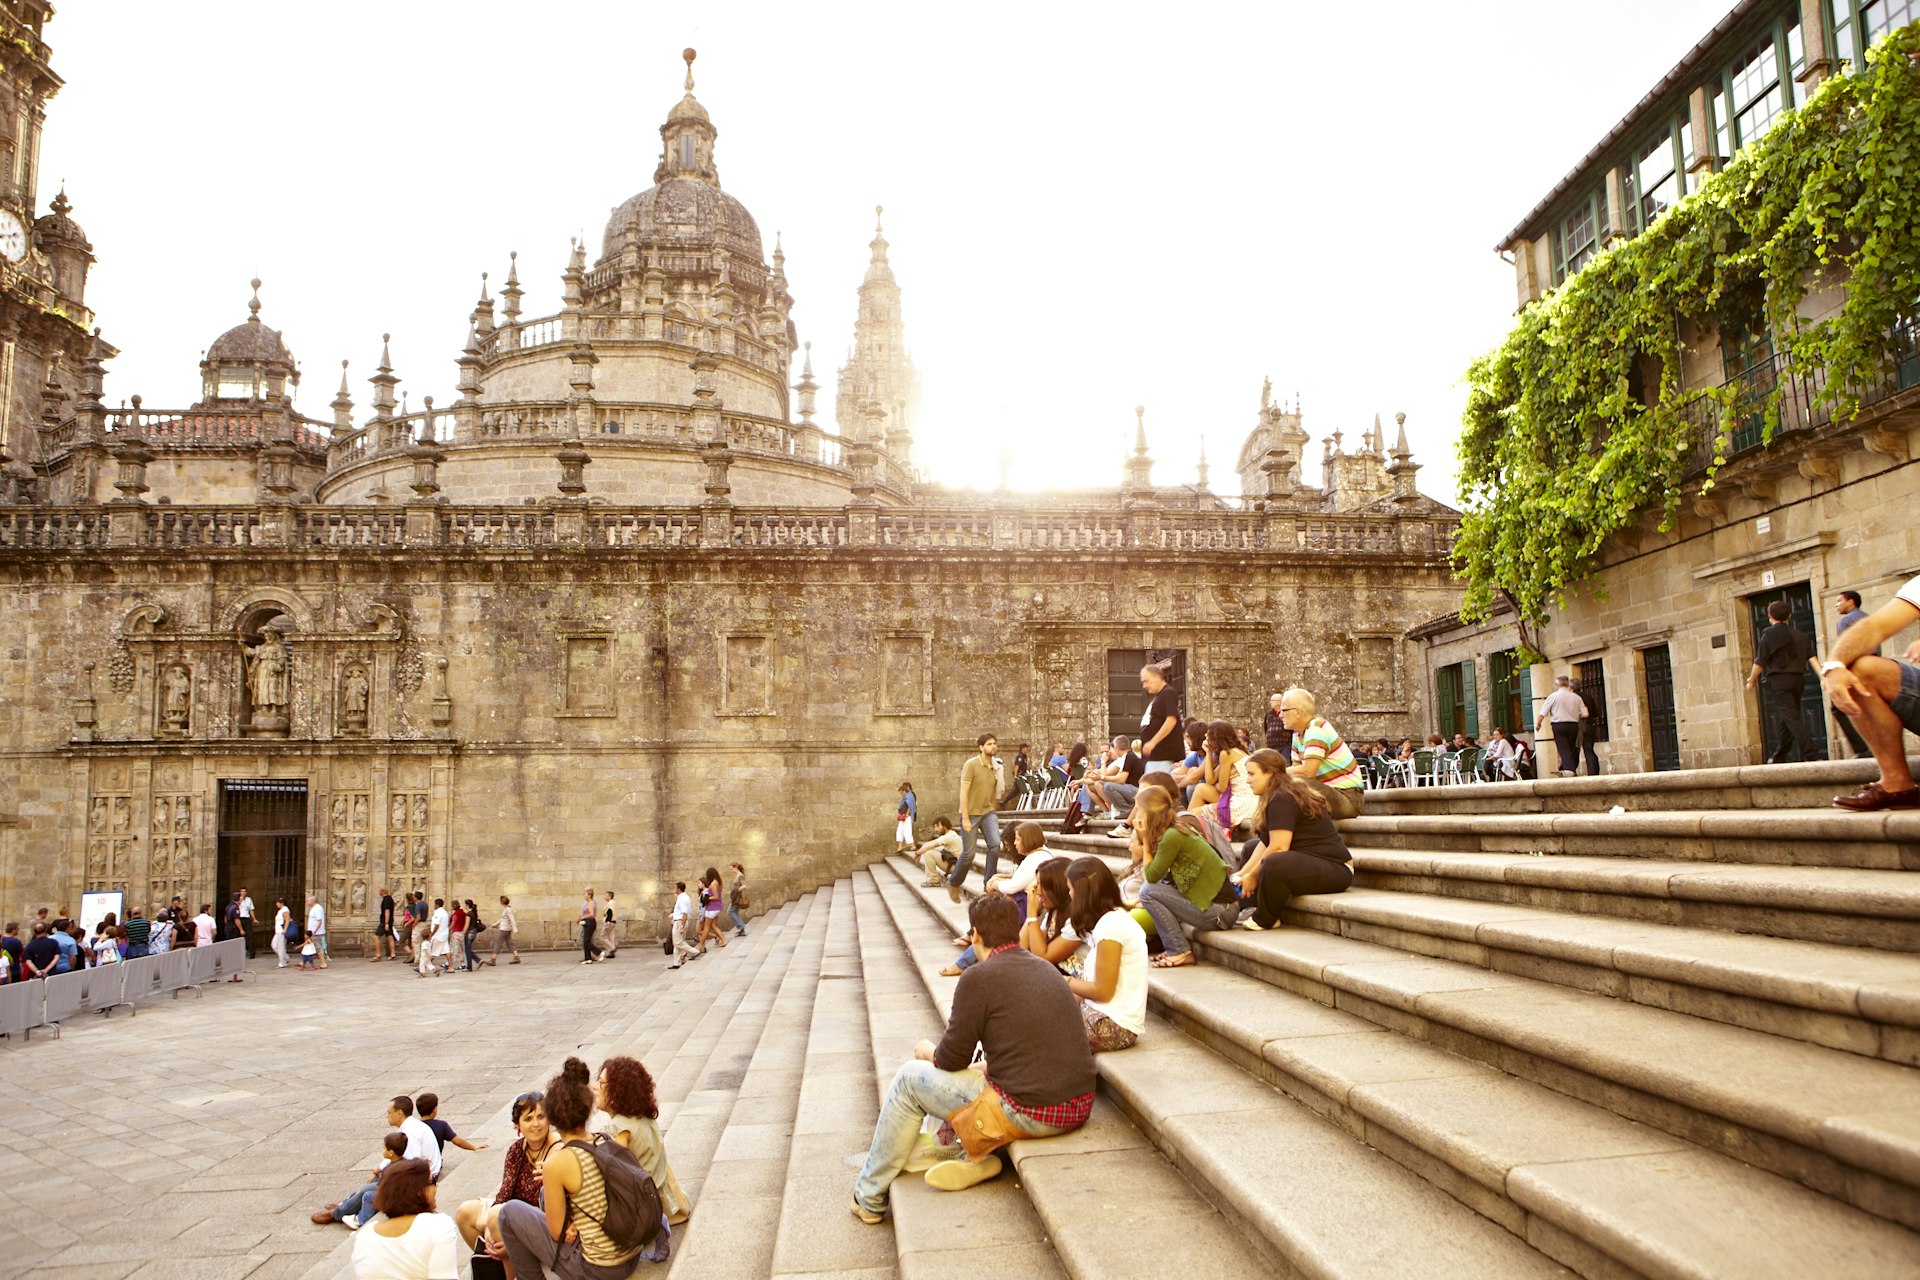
{"points": [[633, 1202]]}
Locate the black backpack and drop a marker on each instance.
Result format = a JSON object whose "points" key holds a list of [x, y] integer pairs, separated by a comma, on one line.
{"points": [[633, 1202]]}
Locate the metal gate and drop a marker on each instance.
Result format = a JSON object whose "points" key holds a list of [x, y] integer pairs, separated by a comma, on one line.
{"points": [[1663, 723], [1812, 710], [263, 841]]}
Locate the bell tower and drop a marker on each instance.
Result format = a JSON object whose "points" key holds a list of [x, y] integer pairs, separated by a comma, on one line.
{"points": [[44, 321]]}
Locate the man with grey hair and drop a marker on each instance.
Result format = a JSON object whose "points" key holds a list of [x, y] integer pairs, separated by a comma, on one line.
{"points": [[1321, 758], [1564, 709]]}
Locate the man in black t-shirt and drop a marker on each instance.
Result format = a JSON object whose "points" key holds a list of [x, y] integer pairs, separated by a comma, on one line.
{"points": [[1116, 785], [383, 928], [1161, 740], [42, 954], [1780, 666]]}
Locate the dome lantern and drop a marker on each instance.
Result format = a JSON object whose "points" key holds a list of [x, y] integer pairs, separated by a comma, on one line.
{"points": [[248, 362]]}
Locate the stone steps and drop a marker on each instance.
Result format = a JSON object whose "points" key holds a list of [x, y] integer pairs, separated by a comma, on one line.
{"points": [[1279, 1174], [1825, 837], [1849, 998], [1562, 1159], [1811, 785], [993, 1229], [1844, 906], [834, 1116], [736, 1212]]}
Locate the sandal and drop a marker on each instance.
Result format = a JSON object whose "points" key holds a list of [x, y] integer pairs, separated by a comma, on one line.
{"points": [[951, 971], [1174, 960]]}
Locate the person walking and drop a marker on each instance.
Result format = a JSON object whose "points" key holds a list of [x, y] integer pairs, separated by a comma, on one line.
{"points": [[281, 919], [1848, 606], [683, 950], [609, 939], [471, 932], [383, 928], [979, 788], [457, 935], [503, 934], [246, 920], [737, 900], [711, 896], [903, 815], [317, 926], [1564, 710], [589, 921], [1780, 658], [440, 939]]}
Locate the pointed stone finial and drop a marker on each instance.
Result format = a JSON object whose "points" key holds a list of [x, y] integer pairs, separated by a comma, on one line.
{"points": [[386, 355], [1400, 449], [253, 307], [879, 212], [343, 377], [1200, 472], [513, 267], [60, 204], [807, 370], [1139, 428], [689, 55], [1266, 392], [483, 289], [473, 341]]}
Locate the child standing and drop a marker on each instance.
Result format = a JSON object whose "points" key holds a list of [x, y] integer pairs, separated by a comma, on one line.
{"points": [[904, 815], [309, 951]]}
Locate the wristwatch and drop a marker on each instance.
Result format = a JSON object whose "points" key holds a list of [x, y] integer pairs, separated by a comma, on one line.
{"points": [[1832, 666]]}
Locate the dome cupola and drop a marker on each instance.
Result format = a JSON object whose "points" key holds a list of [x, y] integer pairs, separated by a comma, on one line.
{"points": [[249, 361]]}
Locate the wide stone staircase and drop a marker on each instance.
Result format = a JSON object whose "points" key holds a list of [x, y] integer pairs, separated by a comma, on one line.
{"points": [[1538, 1038]]}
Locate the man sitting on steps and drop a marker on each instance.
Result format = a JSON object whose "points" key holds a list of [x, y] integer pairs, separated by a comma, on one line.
{"points": [[1036, 1081], [1882, 697], [938, 855]]}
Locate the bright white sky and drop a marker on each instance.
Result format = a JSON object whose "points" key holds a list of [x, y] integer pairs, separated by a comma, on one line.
{"points": [[1090, 207]]}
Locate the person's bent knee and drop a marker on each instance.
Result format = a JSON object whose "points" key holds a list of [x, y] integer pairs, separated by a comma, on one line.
{"points": [[1880, 675]]}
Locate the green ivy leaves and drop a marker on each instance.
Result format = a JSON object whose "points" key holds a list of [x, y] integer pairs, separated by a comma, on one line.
{"points": [[1577, 425]]}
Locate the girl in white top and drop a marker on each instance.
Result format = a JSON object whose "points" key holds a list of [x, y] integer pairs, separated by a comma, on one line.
{"points": [[412, 1242], [1030, 842], [1113, 992], [281, 919]]}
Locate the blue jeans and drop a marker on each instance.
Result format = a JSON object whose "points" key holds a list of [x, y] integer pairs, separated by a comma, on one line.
{"points": [[359, 1204], [919, 1090], [986, 828], [733, 914]]}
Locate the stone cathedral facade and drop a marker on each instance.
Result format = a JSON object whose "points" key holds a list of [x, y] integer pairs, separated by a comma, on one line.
{"points": [[618, 610]]}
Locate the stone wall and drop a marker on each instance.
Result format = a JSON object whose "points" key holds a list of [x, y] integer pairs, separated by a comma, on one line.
{"points": [[612, 716]]}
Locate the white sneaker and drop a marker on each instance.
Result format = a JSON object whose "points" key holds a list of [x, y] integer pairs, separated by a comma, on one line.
{"points": [[351, 1222], [958, 1175]]}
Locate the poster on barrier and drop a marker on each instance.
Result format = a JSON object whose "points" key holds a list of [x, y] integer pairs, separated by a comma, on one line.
{"points": [[101, 987], [23, 1006], [200, 965], [63, 994], [97, 905], [176, 969], [143, 978]]}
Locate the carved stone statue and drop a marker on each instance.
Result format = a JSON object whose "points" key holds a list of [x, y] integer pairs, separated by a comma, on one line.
{"points": [[354, 693], [176, 698], [269, 680]]}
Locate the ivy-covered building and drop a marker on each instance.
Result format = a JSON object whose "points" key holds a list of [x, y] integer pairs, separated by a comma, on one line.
{"points": [[1650, 480]]}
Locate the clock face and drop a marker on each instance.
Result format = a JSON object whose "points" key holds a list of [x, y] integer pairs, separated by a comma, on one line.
{"points": [[13, 236]]}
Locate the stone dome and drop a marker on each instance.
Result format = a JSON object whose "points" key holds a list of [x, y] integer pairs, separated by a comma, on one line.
{"points": [[684, 212], [688, 108], [250, 342], [58, 228]]}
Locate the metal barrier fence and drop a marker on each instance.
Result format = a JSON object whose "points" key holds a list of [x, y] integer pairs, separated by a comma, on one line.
{"points": [[47, 1002]]}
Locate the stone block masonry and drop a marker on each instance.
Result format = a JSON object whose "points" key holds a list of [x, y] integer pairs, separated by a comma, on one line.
{"points": [[532, 720]]}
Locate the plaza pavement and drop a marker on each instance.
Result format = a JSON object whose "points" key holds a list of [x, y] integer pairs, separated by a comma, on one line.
{"points": [[194, 1138]]}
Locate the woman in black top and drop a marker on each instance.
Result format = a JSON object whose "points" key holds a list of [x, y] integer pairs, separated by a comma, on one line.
{"points": [[1299, 851], [1160, 736]]}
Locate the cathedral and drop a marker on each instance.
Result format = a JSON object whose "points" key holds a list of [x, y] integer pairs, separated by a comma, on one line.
{"points": [[622, 609]]}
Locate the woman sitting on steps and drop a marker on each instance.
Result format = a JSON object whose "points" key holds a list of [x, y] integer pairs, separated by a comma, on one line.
{"points": [[1113, 992], [1299, 850], [1182, 873]]}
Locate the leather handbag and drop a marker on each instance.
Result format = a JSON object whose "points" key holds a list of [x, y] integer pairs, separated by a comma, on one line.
{"points": [[983, 1125]]}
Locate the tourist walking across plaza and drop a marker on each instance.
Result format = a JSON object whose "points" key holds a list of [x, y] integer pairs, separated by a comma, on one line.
{"points": [[1563, 710], [282, 917], [503, 934], [1780, 672], [317, 926], [979, 793], [737, 900], [383, 927]]}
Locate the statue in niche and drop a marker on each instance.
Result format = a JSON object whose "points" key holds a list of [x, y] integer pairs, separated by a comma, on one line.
{"points": [[420, 812], [419, 852], [176, 698], [97, 818], [122, 813], [183, 814], [162, 814], [269, 679], [337, 813], [339, 853], [399, 853], [182, 855], [355, 691], [339, 896], [157, 859], [358, 899], [360, 813], [359, 853], [397, 819]]}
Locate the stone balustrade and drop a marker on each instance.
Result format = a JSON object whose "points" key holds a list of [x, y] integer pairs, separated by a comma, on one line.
{"points": [[957, 527]]}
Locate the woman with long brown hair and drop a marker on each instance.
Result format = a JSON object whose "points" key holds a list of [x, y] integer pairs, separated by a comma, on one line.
{"points": [[1223, 753], [624, 1090], [1113, 988], [1300, 850], [1045, 932], [1182, 874]]}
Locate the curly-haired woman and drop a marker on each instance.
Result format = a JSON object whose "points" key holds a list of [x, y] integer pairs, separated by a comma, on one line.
{"points": [[519, 1176], [624, 1090]]}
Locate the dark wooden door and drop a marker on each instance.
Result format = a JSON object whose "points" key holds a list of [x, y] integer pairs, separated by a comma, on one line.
{"points": [[1126, 700], [1800, 596], [1662, 721]]}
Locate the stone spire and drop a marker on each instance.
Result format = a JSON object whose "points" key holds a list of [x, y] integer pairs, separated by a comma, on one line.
{"points": [[1403, 467], [510, 296], [807, 388], [1200, 471], [687, 138], [384, 380], [482, 317], [342, 405], [1139, 467], [879, 370]]}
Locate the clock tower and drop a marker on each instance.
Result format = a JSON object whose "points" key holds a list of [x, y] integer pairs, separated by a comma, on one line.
{"points": [[44, 259]]}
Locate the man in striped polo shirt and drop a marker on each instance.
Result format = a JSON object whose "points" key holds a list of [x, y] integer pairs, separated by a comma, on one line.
{"points": [[1320, 757]]}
